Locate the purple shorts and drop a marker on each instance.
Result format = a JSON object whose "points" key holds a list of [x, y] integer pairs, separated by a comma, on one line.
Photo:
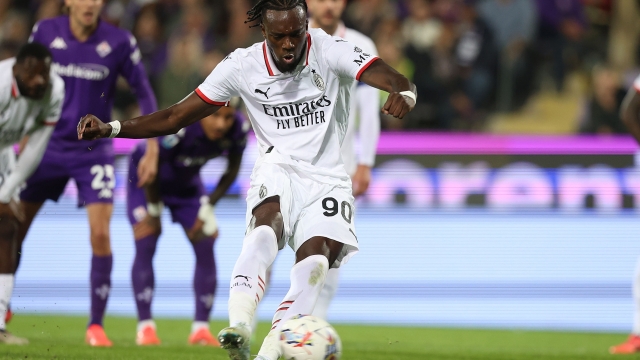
{"points": [[93, 172], [184, 208]]}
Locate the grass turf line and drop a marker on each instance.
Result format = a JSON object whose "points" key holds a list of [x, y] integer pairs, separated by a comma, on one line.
{"points": [[62, 337]]}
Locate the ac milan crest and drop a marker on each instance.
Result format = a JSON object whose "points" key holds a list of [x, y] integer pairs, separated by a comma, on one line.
{"points": [[317, 80]]}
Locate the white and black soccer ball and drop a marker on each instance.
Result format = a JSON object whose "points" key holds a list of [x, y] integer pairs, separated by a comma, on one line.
{"points": [[309, 338]]}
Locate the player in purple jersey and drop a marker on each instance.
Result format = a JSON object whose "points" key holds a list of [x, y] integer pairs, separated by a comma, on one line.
{"points": [[177, 185], [89, 55]]}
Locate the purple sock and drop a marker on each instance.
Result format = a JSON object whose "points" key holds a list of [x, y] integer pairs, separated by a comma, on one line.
{"points": [[100, 286], [142, 275], [204, 278]]}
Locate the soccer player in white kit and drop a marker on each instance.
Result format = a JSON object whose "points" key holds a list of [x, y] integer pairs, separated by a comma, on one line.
{"points": [[31, 98], [630, 114], [296, 86], [364, 118]]}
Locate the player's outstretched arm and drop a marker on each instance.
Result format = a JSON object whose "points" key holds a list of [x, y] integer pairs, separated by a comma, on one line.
{"points": [[227, 179], [630, 112], [163, 122], [384, 77]]}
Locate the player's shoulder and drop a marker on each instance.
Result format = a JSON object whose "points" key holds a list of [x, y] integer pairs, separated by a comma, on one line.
{"points": [[119, 36], [47, 28], [360, 39], [240, 55], [51, 23]]}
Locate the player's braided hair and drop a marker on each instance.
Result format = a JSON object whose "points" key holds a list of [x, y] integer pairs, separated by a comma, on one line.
{"points": [[256, 12]]}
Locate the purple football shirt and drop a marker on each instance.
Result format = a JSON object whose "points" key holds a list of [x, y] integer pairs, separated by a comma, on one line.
{"points": [[90, 70], [182, 155]]}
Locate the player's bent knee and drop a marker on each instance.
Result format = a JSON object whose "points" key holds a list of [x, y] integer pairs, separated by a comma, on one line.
{"points": [[263, 239], [100, 243], [320, 246], [144, 229]]}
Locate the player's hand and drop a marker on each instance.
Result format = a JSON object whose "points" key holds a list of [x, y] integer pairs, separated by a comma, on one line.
{"points": [[196, 232], [398, 105], [12, 210], [91, 128], [361, 179], [147, 168], [148, 226]]}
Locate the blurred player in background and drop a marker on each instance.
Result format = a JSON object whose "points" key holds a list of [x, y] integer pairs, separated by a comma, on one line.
{"points": [[31, 98], [89, 55], [630, 114], [178, 159], [365, 107]]}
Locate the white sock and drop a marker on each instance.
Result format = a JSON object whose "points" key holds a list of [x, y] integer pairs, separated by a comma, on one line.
{"points": [[307, 279], [327, 293], [6, 289], [197, 325], [254, 324], [636, 300], [144, 323], [259, 251]]}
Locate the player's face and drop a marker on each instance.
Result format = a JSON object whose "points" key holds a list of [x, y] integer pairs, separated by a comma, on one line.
{"points": [[32, 77], [85, 12], [326, 13], [286, 35], [217, 125]]}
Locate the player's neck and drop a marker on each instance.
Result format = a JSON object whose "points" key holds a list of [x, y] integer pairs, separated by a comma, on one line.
{"points": [[81, 32], [328, 29]]}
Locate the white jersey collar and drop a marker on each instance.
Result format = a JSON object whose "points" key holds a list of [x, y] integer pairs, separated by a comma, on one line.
{"points": [[271, 65]]}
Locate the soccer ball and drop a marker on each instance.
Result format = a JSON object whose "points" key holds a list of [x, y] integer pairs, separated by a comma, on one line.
{"points": [[309, 338]]}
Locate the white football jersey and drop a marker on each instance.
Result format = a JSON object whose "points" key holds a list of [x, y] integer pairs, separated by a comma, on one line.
{"points": [[303, 114], [19, 115], [365, 104]]}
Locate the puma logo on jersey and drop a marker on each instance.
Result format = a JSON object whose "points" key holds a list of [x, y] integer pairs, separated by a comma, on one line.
{"points": [[242, 276], [58, 43], [258, 91]]}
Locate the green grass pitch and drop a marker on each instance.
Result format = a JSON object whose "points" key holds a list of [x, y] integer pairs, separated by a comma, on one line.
{"points": [[62, 337]]}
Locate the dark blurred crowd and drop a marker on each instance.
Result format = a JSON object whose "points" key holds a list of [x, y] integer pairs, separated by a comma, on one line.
{"points": [[468, 58]]}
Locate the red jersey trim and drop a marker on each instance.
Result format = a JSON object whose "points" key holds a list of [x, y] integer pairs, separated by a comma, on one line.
{"points": [[209, 101], [266, 59], [308, 48], [365, 67], [266, 56], [14, 89]]}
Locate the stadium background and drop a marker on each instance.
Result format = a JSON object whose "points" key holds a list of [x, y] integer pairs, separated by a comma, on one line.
{"points": [[508, 199]]}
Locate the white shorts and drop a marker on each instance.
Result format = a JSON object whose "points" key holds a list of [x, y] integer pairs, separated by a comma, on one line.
{"points": [[309, 207]]}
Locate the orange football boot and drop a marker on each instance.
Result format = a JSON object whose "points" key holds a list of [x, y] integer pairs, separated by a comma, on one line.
{"points": [[147, 336], [203, 337], [8, 317], [632, 345], [97, 337]]}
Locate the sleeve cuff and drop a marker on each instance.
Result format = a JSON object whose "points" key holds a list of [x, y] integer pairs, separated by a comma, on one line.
{"points": [[209, 101], [365, 67]]}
